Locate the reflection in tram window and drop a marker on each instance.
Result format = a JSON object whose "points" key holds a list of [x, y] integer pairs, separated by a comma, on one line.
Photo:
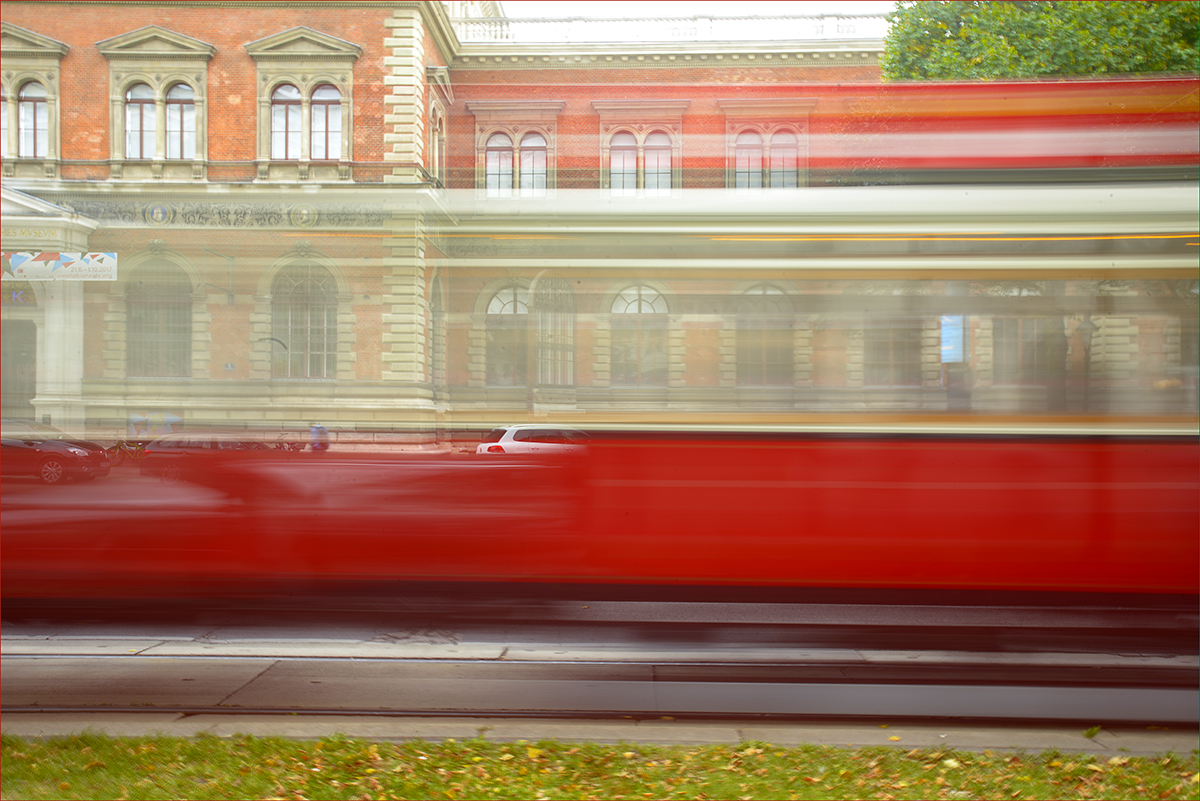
{"points": [[304, 323], [639, 338], [892, 354], [764, 338], [507, 335], [158, 307]]}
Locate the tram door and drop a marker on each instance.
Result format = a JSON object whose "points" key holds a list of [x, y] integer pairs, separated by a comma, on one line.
{"points": [[19, 377]]}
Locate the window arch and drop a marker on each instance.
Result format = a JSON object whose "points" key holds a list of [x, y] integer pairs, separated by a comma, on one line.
{"points": [[181, 122], [499, 165], [326, 114], [141, 123], [304, 323], [508, 337], [764, 337], [33, 121], [748, 161], [785, 161], [437, 141], [639, 337], [533, 165], [285, 123], [158, 322], [623, 165]]}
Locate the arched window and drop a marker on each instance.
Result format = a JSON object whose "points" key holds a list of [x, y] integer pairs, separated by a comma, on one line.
{"points": [[785, 159], [33, 121], [623, 165], [533, 165], [326, 123], [639, 338], [158, 322], [748, 161], [304, 323], [181, 122], [499, 166], [285, 123], [141, 125], [507, 337], [555, 307], [764, 338], [658, 164]]}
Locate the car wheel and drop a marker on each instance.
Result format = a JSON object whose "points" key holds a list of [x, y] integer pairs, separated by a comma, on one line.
{"points": [[53, 470], [169, 474]]}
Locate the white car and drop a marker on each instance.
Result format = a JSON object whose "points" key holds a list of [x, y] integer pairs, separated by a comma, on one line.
{"points": [[533, 438]]}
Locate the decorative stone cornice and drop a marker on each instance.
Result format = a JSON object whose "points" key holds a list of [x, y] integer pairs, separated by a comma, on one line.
{"points": [[302, 43], [767, 107], [439, 77], [799, 54], [16, 41], [155, 43], [639, 109], [525, 110]]}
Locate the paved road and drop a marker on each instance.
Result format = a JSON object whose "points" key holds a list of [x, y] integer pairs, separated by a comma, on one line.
{"points": [[433, 686]]}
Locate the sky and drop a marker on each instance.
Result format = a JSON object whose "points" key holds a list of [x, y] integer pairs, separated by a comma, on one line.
{"points": [[636, 9]]}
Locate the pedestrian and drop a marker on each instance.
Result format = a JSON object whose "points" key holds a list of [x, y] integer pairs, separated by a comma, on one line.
{"points": [[320, 438]]}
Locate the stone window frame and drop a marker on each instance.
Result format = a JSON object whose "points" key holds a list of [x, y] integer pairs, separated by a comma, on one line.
{"points": [[117, 337], [262, 316], [643, 323], [441, 98], [28, 57], [513, 327], [641, 118], [161, 59], [766, 117], [306, 59], [516, 119], [745, 297]]}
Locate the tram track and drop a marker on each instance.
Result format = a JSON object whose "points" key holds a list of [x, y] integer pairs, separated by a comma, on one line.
{"points": [[558, 682], [593, 655]]}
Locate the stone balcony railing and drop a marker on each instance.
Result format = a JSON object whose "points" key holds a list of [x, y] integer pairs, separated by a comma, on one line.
{"points": [[669, 29]]}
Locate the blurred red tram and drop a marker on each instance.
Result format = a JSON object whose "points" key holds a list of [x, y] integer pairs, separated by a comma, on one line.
{"points": [[1046, 513], [1085, 497]]}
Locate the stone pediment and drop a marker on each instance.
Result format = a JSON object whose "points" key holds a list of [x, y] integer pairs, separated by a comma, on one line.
{"points": [[31, 223], [17, 204], [16, 41], [153, 42], [303, 44]]}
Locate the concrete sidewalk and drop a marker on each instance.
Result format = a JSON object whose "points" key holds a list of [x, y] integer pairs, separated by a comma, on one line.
{"points": [[1115, 741]]}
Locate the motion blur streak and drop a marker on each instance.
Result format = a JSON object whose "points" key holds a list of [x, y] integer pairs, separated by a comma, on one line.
{"points": [[1104, 514]]}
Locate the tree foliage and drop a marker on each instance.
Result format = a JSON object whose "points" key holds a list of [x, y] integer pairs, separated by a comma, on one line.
{"points": [[990, 40]]}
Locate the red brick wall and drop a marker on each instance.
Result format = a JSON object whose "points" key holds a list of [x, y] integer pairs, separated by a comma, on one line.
{"points": [[232, 112], [578, 126]]}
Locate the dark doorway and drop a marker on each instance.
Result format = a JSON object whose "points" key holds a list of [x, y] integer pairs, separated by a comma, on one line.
{"points": [[19, 379]]}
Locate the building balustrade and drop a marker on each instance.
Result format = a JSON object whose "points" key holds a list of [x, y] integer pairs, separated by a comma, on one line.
{"points": [[669, 29]]}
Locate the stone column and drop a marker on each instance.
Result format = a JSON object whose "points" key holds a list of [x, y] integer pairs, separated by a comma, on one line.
{"points": [[60, 356], [404, 346], [404, 100]]}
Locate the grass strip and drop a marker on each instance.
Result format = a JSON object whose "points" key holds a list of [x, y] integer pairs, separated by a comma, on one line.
{"points": [[96, 766]]}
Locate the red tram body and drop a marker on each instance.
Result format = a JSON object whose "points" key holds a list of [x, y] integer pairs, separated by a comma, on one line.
{"points": [[1091, 514]]}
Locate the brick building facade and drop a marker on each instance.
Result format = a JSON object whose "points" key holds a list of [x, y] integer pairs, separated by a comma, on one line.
{"points": [[369, 214]]}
